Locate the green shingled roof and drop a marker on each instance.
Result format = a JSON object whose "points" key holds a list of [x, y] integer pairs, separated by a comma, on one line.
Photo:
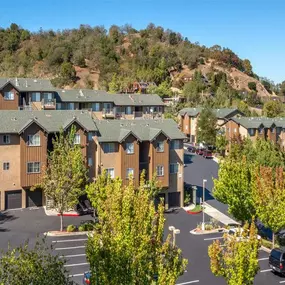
{"points": [[255, 122], [51, 121], [144, 130], [28, 84], [88, 95], [220, 113]]}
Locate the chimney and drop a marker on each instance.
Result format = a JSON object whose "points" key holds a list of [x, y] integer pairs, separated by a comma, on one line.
{"points": [[17, 82]]}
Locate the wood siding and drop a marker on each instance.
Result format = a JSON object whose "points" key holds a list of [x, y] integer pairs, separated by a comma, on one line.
{"points": [[160, 158], [91, 153], [130, 160], [32, 154], [9, 104], [186, 124]]}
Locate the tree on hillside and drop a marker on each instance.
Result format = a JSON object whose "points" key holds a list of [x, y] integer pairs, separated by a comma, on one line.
{"points": [[237, 259], [207, 127], [252, 85], [234, 188], [272, 109], [24, 265], [65, 175], [247, 67], [282, 89], [127, 246], [269, 197]]}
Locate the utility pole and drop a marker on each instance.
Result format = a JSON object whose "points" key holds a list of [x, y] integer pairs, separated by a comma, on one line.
{"points": [[203, 222]]}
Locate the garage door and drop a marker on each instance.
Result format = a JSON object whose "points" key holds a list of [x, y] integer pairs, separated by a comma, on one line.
{"points": [[34, 198], [13, 199], [174, 199]]}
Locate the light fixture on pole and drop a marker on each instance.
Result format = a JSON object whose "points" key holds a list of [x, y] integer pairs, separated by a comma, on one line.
{"points": [[203, 222], [174, 232]]}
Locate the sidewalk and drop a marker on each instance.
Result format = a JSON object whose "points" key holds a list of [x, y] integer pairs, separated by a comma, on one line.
{"points": [[219, 216], [65, 214]]}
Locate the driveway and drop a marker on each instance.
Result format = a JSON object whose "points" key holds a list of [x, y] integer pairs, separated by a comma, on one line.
{"points": [[17, 226], [198, 168]]}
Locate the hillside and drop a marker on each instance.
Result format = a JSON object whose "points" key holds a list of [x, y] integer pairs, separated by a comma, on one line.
{"points": [[92, 57]]}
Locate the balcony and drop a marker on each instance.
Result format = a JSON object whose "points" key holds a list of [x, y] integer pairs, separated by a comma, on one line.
{"points": [[48, 104], [109, 113]]}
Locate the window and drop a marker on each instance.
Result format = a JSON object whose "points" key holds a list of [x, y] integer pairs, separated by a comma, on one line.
{"points": [[70, 106], [160, 146], [36, 97], [235, 130], [90, 136], [109, 147], [130, 148], [48, 96], [260, 130], [160, 170], [6, 165], [58, 106], [90, 161], [77, 139], [34, 140], [33, 167], [272, 130], [175, 144], [111, 172], [130, 171], [96, 107], [128, 110], [6, 139], [251, 132], [173, 168], [9, 95]]}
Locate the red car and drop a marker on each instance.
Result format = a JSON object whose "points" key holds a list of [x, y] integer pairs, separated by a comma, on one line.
{"points": [[207, 154], [200, 151]]}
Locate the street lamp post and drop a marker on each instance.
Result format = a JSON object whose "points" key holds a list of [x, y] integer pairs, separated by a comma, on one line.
{"points": [[203, 222], [174, 232]]}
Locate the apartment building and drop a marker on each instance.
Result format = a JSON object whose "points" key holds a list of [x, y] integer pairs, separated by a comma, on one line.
{"points": [[188, 119], [40, 94], [122, 147], [256, 127]]}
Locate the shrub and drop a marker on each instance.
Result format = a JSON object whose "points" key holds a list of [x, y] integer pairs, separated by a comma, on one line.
{"points": [[71, 228], [81, 228], [208, 227], [252, 86]]}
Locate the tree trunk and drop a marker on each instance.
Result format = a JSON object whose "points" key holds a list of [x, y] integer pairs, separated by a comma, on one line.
{"points": [[61, 222], [273, 240]]}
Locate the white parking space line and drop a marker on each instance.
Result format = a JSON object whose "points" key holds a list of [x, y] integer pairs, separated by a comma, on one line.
{"points": [[282, 281], [76, 275], [69, 240], [72, 247], [190, 282], [265, 258], [213, 238], [265, 270], [72, 255], [77, 264]]}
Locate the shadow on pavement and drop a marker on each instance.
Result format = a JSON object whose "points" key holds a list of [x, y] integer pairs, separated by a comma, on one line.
{"points": [[208, 194], [6, 217]]}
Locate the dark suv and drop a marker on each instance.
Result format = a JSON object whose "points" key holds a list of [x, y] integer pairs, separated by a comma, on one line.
{"points": [[277, 260]]}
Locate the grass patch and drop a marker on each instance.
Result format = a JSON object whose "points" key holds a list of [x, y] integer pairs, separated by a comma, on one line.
{"points": [[268, 244], [198, 208]]}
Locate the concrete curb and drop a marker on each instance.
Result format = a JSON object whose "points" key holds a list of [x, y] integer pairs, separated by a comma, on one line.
{"points": [[64, 234], [52, 213], [265, 249], [217, 231]]}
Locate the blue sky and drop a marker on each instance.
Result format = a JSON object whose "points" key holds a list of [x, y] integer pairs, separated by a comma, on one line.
{"points": [[254, 29]]}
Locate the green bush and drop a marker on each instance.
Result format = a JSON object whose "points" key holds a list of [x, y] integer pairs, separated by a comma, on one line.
{"points": [[71, 228], [209, 227], [252, 85], [81, 228]]}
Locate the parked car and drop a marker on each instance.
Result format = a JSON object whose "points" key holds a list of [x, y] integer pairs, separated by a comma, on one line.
{"points": [[200, 151], [191, 149], [207, 154], [87, 278], [277, 260], [237, 232], [83, 207]]}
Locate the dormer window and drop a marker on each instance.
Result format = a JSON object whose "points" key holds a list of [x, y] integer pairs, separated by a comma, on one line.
{"points": [[251, 132], [160, 146], [34, 140]]}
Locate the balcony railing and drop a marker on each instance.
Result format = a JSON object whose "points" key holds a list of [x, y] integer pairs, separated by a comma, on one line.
{"points": [[109, 113], [48, 103]]}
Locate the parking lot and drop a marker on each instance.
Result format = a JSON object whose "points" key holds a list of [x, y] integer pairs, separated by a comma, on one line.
{"points": [[73, 249]]}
